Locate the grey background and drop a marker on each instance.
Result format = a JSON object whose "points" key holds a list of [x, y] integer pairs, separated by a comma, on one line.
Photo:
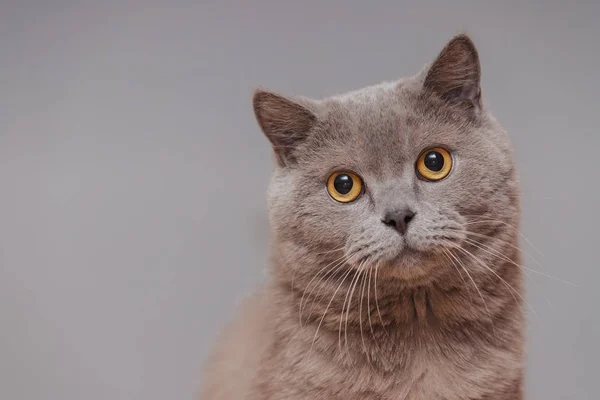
{"points": [[132, 172]]}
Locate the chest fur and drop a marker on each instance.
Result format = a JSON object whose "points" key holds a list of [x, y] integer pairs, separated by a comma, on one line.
{"points": [[449, 371]]}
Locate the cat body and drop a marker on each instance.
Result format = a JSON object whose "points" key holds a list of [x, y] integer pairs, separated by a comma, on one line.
{"points": [[395, 264]]}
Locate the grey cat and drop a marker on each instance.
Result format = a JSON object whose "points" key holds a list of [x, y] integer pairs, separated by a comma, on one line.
{"points": [[395, 268]]}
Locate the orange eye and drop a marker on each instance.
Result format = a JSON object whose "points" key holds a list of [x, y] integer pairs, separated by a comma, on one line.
{"points": [[344, 186], [434, 164]]}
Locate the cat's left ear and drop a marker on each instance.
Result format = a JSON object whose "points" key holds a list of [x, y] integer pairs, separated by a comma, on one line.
{"points": [[285, 122], [455, 75]]}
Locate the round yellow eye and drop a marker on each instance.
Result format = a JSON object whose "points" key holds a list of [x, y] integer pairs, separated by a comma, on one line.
{"points": [[434, 164], [344, 186]]}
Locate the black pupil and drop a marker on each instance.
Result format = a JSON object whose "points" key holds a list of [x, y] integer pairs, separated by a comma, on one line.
{"points": [[434, 161], [343, 183]]}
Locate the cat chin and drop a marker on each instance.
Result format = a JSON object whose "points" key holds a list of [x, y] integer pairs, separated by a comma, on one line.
{"points": [[413, 266]]}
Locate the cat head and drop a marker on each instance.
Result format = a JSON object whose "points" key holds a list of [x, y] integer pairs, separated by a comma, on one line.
{"points": [[391, 175]]}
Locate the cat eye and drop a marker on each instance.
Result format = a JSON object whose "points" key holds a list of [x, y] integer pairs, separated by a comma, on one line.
{"points": [[344, 186], [434, 164]]}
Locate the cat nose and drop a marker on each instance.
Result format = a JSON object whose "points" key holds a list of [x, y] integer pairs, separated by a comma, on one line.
{"points": [[399, 219]]}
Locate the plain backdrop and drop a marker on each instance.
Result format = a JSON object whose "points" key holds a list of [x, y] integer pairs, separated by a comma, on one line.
{"points": [[133, 173]]}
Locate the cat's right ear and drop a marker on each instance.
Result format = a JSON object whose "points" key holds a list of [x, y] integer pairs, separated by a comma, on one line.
{"points": [[456, 74], [285, 122]]}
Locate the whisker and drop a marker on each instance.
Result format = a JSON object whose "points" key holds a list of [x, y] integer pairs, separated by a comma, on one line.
{"points": [[476, 288], [381, 353], [360, 271], [468, 232], [510, 226], [330, 251], [362, 296], [342, 280], [480, 235], [341, 265], [532, 258], [344, 306], [507, 259], [377, 302], [492, 221], [301, 306], [445, 252], [511, 289], [369, 314]]}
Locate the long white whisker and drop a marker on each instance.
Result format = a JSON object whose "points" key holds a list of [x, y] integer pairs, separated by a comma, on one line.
{"points": [[301, 306], [489, 250], [445, 252], [377, 302], [382, 355], [360, 271], [510, 226], [344, 306], [330, 251], [331, 274], [512, 290], [482, 236], [507, 259], [476, 288], [342, 279], [362, 296]]}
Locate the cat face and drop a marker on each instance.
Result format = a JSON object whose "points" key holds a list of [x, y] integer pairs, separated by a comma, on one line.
{"points": [[392, 175]]}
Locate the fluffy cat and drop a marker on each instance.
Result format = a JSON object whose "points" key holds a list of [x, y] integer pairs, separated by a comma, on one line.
{"points": [[395, 268]]}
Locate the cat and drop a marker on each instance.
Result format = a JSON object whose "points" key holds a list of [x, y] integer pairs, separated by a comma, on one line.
{"points": [[395, 271]]}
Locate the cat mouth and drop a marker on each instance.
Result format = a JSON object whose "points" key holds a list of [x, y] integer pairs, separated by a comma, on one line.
{"points": [[410, 256], [411, 263], [405, 262], [409, 251], [400, 255]]}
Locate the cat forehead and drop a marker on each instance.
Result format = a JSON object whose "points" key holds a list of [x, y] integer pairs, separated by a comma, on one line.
{"points": [[369, 101], [388, 112], [366, 111], [379, 128]]}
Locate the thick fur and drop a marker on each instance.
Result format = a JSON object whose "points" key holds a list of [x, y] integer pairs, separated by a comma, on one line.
{"points": [[355, 310]]}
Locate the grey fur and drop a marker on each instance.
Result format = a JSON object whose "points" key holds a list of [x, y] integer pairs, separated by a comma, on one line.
{"points": [[441, 325]]}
